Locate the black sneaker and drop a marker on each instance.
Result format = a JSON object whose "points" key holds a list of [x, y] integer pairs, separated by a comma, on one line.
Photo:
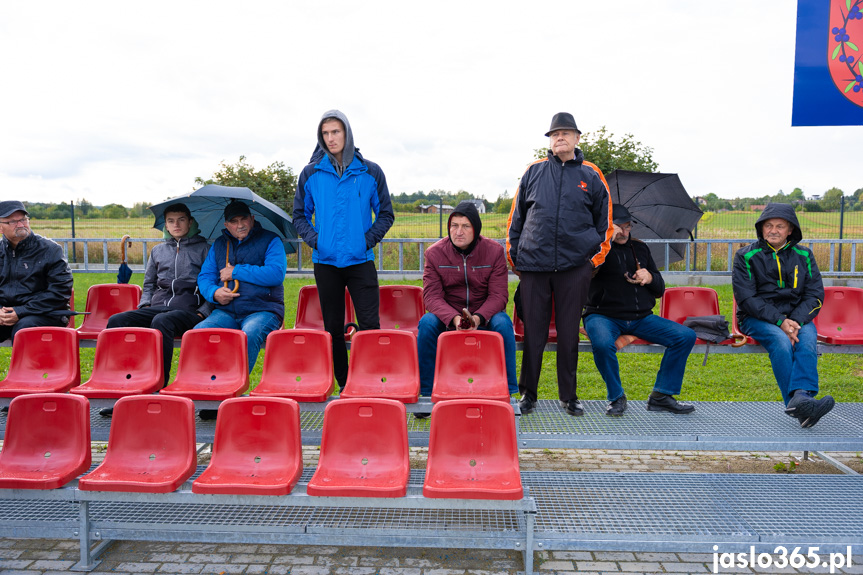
{"points": [[662, 402], [800, 405], [616, 407], [421, 415], [106, 411], [573, 407], [208, 414], [821, 407], [526, 405]]}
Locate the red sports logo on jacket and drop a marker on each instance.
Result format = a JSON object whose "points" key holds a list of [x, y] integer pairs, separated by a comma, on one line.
{"points": [[583, 186]]}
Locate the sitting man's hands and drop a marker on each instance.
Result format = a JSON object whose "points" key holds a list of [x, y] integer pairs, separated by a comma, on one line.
{"points": [[224, 296]]}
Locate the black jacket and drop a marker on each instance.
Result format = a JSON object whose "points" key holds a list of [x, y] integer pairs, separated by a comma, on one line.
{"points": [[612, 296], [771, 285], [560, 217], [34, 277]]}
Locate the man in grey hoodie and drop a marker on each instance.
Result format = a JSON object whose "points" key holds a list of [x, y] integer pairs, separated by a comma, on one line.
{"points": [[347, 198], [171, 302]]}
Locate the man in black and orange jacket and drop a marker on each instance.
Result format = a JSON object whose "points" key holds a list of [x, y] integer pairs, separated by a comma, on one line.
{"points": [[559, 231]]}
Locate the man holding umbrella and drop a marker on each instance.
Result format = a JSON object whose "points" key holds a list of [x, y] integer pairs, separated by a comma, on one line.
{"points": [[559, 231], [35, 280], [621, 299], [171, 302], [255, 257]]}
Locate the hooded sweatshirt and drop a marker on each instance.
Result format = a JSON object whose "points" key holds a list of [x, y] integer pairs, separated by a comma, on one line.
{"points": [[774, 284], [474, 278], [348, 201]]}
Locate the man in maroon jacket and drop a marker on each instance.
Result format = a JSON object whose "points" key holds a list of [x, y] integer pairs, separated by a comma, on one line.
{"points": [[464, 270]]}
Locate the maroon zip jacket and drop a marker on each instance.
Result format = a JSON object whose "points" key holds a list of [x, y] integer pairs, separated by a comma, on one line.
{"points": [[477, 281]]}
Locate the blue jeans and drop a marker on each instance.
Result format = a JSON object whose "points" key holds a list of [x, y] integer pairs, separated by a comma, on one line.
{"points": [[256, 326], [795, 367], [677, 339], [431, 327]]}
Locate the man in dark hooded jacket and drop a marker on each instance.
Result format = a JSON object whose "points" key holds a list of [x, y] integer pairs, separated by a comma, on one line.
{"points": [[347, 198], [464, 270], [779, 292]]}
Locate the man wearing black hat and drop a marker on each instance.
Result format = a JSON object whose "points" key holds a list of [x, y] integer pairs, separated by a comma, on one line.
{"points": [[35, 280], [559, 231], [621, 300], [252, 259], [464, 271]]}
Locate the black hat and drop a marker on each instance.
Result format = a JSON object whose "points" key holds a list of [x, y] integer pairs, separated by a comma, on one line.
{"points": [[9, 207], [619, 214], [236, 208], [562, 121]]}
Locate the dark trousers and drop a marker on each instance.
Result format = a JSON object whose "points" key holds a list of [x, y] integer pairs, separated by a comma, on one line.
{"points": [[169, 322], [568, 290], [9, 331], [362, 283]]}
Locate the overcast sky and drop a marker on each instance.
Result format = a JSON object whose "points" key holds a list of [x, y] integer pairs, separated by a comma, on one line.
{"points": [[126, 102]]}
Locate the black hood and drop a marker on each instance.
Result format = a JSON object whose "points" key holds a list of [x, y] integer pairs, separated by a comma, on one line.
{"points": [[787, 213], [468, 210]]}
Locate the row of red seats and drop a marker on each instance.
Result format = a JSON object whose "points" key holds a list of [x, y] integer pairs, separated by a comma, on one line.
{"points": [[257, 449], [840, 320], [297, 364]]}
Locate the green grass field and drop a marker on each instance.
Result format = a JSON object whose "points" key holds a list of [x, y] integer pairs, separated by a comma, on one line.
{"points": [[726, 377]]}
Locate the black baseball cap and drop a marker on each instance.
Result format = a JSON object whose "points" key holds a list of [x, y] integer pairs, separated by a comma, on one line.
{"points": [[9, 207]]}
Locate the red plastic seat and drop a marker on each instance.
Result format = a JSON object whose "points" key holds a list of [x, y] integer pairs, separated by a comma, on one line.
{"points": [[309, 310], [840, 320], [103, 301], [128, 362], [298, 364], [364, 450], [470, 365], [384, 364], [735, 325], [473, 451], [257, 449], [401, 307], [679, 303], [44, 360], [47, 441], [151, 446], [518, 327], [213, 365]]}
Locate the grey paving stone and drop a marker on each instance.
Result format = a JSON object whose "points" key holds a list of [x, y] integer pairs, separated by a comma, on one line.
{"points": [[640, 567], [180, 568], [556, 566], [250, 558], [613, 556], [169, 557], [15, 572], [294, 560], [256, 569], [44, 565], [15, 563], [223, 568], [685, 567], [139, 567], [653, 556], [597, 566], [400, 571], [310, 570]]}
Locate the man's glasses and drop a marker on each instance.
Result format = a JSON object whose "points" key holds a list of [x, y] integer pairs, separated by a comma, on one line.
{"points": [[16, 223]]}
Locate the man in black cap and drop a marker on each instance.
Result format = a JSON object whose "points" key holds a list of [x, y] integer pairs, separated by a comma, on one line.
{"points": [[559, 231], [35, 280], [464, 271], [256, 259], [620, 303]]}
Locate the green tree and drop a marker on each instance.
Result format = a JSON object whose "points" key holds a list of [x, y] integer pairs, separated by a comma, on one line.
{"points": [[141, 210], [608, 154], [84, 207], [115, 211], [714, 203], [276, 183], [832, 200], [796, 195]]}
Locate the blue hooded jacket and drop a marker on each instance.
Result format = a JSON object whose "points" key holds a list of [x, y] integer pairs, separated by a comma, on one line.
{"points": [[342, 217]]}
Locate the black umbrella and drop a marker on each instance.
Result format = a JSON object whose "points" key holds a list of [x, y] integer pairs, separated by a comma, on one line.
{"points": [[124, 273], [660, 208]]}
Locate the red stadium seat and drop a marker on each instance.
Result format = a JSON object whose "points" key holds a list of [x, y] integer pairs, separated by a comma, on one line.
{"points": [[309, 311], [518, 327], [679, 303], [47, 441], [473, 451], [364, 450], [298, 364], [213, 365], [470, 365], [735, 326], [401, 307], [128, 362], [151, 446], [103, 301], [840, 320], [384, 364], [44, 360], [257, 449]]}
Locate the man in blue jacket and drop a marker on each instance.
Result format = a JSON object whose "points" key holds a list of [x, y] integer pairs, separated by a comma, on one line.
{"points": [[258, 262], [347, 198], [779, 291]]}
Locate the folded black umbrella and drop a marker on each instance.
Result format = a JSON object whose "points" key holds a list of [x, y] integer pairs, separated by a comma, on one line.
{"points": [[712, 328]]}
